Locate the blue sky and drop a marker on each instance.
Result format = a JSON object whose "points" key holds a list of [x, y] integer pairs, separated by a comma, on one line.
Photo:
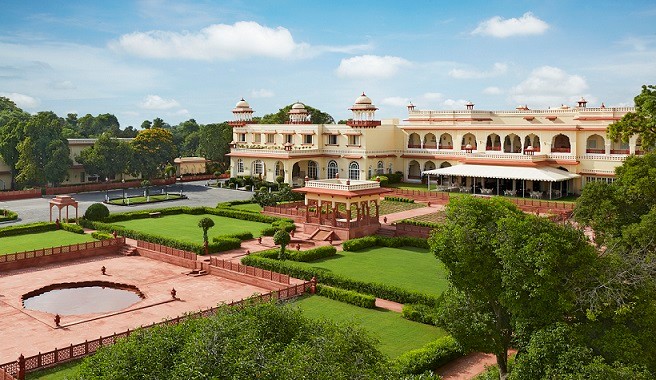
{"points": [[195, 59]]}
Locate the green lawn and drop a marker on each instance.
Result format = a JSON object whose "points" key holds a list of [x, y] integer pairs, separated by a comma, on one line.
{"points": [[248, 207], [60, 372], [141, 200], [407, 268], [396, 334], [184, 227], [390, 207], [29, 242]]}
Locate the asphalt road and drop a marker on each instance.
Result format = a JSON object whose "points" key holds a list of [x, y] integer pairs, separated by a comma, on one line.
{"points": [[36, 209]]}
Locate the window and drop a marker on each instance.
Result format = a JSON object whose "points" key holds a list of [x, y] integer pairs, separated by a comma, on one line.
{"points": [[279, 169], [312, 170], [241, 137], [608, 180], [389, 168], [354, 170], [380, 168], [289, 139], [332, 140], [271, 138], [307, 139], [332, 169], [258, 167], [240, 165], [370, 173], [256, 137], [354, 140]]}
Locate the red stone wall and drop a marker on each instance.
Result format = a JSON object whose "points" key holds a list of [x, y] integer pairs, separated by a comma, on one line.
{"points": [[53, 255], [403, 229]]}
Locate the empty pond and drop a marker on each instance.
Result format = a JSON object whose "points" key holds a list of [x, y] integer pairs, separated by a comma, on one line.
{"points": [[88, 297]]}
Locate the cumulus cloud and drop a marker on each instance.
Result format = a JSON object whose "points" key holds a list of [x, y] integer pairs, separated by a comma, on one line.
{"points": [[549, 86], [395, 101], [155, 102], [501, 28], [21, 100], [262, 93], [371, 66], [492, 90], [498, 69], [455, 104], [435, 96]]}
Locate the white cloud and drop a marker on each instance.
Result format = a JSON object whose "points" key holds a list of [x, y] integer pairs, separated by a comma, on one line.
{"points": [[498, 69], [181, 112], [21, 100], [502, 28], [455, 104], [395, 101], [262, 93], [371, 66], [62, 85], [549, 86], [435, 96], [492, 90], [155, 102]]}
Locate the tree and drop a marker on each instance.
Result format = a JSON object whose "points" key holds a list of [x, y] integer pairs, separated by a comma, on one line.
{"points": [[12, 120], [282, 238], [213, 143], [108, 157], [205, 224], [281, 117], [152, 149], [58, 163], [146, 124], [642, 122]]}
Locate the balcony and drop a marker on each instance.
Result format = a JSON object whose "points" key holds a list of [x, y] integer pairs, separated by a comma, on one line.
{"points": [[363, 123], [446, 146], [561, 150], [619, 151], [493, 148], [418, 146], [430, 145], [595, 151]]}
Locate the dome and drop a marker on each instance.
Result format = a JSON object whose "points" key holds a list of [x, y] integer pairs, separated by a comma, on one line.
{"points": [[363, 99], [242, 104], [298, 106]]}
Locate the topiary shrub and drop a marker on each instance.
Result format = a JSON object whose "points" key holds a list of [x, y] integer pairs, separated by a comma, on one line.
{"points": [[313, 254], [96, 212], [74, 228], [348, 296], [101, 235], [433, 355]]}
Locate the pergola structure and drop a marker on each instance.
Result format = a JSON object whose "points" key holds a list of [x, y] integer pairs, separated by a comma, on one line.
{"points": [[341, 208], [62, 201]]}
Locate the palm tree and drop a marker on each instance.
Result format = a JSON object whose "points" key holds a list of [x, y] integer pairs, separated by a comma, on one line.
{"points": [[205, 224]]}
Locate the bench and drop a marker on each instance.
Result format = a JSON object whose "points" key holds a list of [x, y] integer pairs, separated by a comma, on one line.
{"points": [[155, 214]]}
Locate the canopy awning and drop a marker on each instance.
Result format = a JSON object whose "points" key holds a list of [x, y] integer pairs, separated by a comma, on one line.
{"points": [[505, 172]]}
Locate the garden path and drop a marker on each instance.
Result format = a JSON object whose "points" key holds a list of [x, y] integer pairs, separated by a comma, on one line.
{"points": [[433, 208]]}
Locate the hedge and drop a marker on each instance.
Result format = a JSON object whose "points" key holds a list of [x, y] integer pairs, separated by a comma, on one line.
{"points": [[74, 228], [239, 235], [433, 355], [384, 241], [31, 228], [6, 215], [419, 223], [227, 212], [348, 296], [400, 199], [326, 277], [419, 313], [269, 253], [312, 254], [101, 235]]}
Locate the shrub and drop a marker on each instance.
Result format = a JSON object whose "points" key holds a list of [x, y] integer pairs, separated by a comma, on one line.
{"points": [[269, 253], [359, 243], [96, 212], [419, 313], [6, 215], [101, 235], [31, 228], [395, 177], [384, 241], [233, 203], [222, 243], [269, 231], [239, 235], [348, 296], [72, 228], [433, 355], [280, 179], [420, 223], [313, 253], [400, 199]]}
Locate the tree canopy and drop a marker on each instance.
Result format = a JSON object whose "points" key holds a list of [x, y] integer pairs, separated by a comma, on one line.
{"points": [[108, 157], [152, 149], [642, 122], [281, 117]]}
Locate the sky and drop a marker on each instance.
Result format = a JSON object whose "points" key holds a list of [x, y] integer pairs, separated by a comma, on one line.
{"points": [[178, 59]]}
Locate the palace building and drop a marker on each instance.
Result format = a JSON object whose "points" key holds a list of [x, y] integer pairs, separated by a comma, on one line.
{"points": [[545, 153]]}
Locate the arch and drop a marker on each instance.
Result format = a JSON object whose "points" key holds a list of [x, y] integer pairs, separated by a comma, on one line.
{"points": [[430, 142], [595, 144], [468, 139], [560, 144], [493, 142], [414, 141], [380, 168], [258, 168], [533, 141], [414, 170], [446, 141], [280, 169], [354, 170], [333, 169], [445, 164], [429, 165], [512, 144], [313, 170], [240, 165], [619, 147]]}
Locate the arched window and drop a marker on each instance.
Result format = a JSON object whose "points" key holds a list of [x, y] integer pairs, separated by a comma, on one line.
{"points": [[414, 141], [258, 167], [595, 144], [312, 170], [332, 169], [380, 168], [280, 169], [354, 170], [560, 144], [240, 165], [414, 170]]}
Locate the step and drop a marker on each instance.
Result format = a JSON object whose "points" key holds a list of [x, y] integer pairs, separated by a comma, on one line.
{"points": [[323, 235], [128, 250]]}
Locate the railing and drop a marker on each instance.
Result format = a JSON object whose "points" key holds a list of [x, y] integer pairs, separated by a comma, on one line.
{"points": [[5, 376], [197, 177], [341, 185], [414, 146], [421, 194], [445, 146], [167, 250], [12, 257], [23, 365], [251, 271], [104, 186], [561, 150], [493, 148], [619, 151], [595, 151], [430, 145]]}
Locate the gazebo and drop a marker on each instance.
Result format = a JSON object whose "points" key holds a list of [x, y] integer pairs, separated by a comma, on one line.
{"points": [[341, 208], [62, 201]]}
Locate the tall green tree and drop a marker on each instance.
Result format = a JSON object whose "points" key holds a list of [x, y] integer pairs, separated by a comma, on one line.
{"points": [[108, 157], [213, 144], [152, 149], [642, 122], [12, 120], [282, 116]]}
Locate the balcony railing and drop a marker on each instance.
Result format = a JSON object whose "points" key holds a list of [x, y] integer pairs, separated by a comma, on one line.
{"points": [[493, 148], [430, 146], [619, 151], [446, 146], [464, 147], [595, 151], [414, 146], [561, 150]]}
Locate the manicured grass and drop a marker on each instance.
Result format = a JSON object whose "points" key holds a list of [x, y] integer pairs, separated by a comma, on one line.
{"points": [[411, 186], [30, 242], [248, 207], [436, 217], [184, 227], [141, 200], [390, 207], [60, 372], [407, 268], [396, 334]]}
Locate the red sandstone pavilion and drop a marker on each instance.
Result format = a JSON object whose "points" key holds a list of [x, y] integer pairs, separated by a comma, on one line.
{"points": [[340, 209]]}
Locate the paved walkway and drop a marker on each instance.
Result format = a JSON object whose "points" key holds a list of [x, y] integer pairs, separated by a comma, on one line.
{"points": [[394, 217]]}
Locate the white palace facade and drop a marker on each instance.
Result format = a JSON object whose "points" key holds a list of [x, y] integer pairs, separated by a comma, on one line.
{"points": [[566, 143]]}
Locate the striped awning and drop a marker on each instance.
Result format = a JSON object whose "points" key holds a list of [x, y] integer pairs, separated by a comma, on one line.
{"points": [[545, 173]]}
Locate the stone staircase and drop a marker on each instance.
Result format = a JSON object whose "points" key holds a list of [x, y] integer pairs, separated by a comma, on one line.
{"points": [[386, 230], [128, 250], [323, 235]]}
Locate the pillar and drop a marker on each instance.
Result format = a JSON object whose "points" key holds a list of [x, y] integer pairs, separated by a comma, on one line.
{"points": [[377, 210]]}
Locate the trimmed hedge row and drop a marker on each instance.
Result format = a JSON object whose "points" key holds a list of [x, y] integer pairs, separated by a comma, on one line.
{"points": [[433, 355], [234, 203], [101, 235], [227, 212], [419, 223], [419, 313], [238, 235], [324, 276], [348, 296], [269, 253], [6, 215], [400, 199], [31, 228], [312, 254], [74, 228], [384, 241]]}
